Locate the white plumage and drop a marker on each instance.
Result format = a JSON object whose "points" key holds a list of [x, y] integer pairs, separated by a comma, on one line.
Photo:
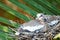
{"points": [[53, 22], [33, 28]]}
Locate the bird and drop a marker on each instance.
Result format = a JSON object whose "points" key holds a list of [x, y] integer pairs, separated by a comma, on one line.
{"points": [[39, 24]]}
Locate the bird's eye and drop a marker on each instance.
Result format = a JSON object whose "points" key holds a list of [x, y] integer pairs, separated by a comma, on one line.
{"points": [[41, 15]]}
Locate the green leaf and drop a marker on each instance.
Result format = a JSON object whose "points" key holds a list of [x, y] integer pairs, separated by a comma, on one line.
{"points": [[4, 28], [9, 22], [5, 36], [24, 7], [15, 13], [44, 10], [58, 1], [46, 7], [50, 6], [2, 36]]}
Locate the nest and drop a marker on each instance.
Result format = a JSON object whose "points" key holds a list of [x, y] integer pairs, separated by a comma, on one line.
{"points": [[47, 35]]}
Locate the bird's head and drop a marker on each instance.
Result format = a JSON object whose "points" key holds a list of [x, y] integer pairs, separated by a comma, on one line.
{"points": [[40, 16]]}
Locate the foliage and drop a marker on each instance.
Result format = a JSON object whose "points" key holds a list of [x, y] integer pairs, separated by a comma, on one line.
{"points": [[57, 37]]}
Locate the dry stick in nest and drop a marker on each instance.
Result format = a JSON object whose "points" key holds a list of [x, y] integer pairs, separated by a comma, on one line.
{"points": [[50, 33]]}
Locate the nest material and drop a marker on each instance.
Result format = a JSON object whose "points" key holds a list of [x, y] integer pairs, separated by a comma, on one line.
{"points": [[48, 35]]}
